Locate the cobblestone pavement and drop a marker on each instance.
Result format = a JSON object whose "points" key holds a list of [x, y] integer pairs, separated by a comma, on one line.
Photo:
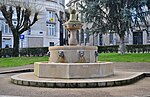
{"points": [[138, 89]]}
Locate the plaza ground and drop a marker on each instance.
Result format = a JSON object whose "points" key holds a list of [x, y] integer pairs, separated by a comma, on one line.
{"points": [[138, 89]]}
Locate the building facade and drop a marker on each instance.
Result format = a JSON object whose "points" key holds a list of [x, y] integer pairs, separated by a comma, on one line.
{"points": [[45, 32]]}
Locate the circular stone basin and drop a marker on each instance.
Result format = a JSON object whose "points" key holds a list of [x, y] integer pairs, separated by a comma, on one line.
{"points": [[73, 54], [73, 70]]}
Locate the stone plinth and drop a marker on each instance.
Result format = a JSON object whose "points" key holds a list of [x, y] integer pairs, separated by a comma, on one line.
{"points": [[73, 54], [73, 70], [119, 79]]}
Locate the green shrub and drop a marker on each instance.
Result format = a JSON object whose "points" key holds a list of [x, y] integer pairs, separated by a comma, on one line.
{"points": [[129, 49], [38, 51]]}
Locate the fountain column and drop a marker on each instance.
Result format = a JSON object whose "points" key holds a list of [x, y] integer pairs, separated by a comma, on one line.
{"points": [[73, 39], [72, 25]]}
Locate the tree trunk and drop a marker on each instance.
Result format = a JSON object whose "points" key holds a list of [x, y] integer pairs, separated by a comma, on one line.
{"points": [[122, 45], [16, 37]]}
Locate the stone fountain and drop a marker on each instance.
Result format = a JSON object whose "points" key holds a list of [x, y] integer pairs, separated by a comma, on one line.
{"points": [[68, 65], [73, 61]]}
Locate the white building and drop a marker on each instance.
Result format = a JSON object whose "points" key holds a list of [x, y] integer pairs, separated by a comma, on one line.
{"points": [[45, 32]]}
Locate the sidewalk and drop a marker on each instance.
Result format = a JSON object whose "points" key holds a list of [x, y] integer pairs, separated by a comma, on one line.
{"points": [[16, 69], [133, 66]]}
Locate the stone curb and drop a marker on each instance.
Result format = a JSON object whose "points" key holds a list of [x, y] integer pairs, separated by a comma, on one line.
{"points": [[97, 84], [17, 71]]}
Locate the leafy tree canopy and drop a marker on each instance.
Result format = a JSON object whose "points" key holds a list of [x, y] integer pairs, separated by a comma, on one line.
{"points": [[115, 15]]}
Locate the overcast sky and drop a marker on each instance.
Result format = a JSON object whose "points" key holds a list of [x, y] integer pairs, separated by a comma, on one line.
{"points": [[66, 1]]}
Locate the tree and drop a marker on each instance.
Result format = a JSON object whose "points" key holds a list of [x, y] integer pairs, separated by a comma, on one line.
{"points": [[24, 18], [116, 16]]}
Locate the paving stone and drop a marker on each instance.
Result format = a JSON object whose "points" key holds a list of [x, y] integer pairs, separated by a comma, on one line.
{"points": [[101, 84], [71, 85], [26, 83], [89, 85], [20, 82], [110, 84], [50, 85], [33, 83], [61, 85], [117, 83], [81, 85]]}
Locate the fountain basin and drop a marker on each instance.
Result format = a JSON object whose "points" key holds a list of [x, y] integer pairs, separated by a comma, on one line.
{"points": [[73, 70], [73, 54]]}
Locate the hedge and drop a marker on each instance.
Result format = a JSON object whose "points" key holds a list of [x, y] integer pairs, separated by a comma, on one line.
{"points": [[129, 49], [41, 51], [38, 51]]}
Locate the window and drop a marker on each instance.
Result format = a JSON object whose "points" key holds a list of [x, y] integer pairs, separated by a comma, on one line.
{"points": [[41, 32], [51, 43], [51, 30], [5, 28], [111, 38], [51, 18], [148, 37], [51, 23], [100, 39]]}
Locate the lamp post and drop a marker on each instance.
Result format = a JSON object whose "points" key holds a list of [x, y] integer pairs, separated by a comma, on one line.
{"points": [[0, 36], [0, 39], [60, 19], [0, 42]]}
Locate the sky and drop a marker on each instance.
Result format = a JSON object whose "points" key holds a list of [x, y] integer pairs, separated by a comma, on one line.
{"points": [[66, 1]]}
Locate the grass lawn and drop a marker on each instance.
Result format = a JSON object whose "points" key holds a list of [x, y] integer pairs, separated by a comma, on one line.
{"points": [[111, 57], [19, 61], [115, 57]]}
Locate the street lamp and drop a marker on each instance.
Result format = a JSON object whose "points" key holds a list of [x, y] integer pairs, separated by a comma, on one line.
{"points": [[0, 36], [60, 19], [0, 39]]}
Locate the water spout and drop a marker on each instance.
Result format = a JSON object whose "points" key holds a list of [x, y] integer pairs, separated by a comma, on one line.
{"points": [[81, 57], [48, 54], [61, 57], [61, 53]]}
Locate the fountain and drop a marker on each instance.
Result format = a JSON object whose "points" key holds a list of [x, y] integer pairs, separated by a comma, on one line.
{"points": [[67, 64], [73, 61]]}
